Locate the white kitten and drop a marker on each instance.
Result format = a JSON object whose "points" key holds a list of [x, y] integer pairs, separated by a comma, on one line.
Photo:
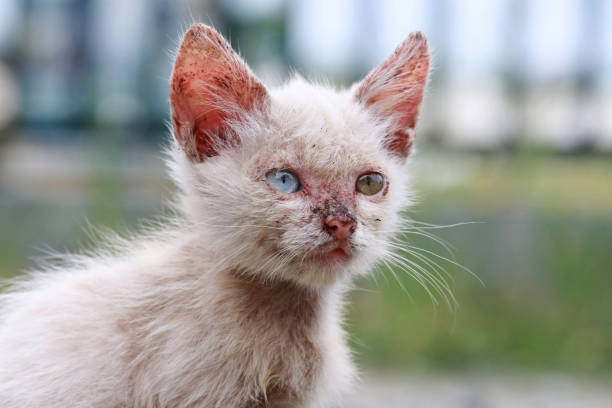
{"points": [[285, 196]]}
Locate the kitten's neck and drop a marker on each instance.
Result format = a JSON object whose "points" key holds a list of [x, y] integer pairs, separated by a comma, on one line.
{"points": [[248, 294], [281, 301]]}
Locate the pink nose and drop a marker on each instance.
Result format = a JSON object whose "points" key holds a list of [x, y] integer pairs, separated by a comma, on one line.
{"points": [[340, 227]]}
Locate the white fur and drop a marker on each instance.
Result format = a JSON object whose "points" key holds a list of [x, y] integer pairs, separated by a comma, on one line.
{"points": [[158, 321]]}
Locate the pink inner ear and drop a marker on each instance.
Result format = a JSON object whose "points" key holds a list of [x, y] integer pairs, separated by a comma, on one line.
{"points": [[210, 85], [395, 88]]}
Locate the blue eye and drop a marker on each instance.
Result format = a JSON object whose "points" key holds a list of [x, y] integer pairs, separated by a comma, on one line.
{"points": [[284, 181]]}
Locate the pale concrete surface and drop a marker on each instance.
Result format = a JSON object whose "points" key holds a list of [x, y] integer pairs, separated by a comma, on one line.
{"points": [[479, 391]]}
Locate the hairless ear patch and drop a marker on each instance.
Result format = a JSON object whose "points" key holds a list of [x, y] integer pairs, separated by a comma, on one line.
{"points": [[210, 85], [394, 91]]}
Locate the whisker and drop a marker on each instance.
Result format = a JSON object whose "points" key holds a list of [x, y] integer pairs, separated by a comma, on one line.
{"points": [[468, 270], [359, 289], [448, 247], [425, 225], [428, 261], [399, 282], [417, 276], [238, 226], [438, 284]]}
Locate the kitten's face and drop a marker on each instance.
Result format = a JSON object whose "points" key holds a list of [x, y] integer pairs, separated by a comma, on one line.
{"points": [[301, 183]]}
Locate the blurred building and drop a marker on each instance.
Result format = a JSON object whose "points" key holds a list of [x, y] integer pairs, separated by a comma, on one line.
{"points": [[506, 72]]}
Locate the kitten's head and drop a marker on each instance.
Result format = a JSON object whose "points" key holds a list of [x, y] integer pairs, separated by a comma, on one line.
{"points": [[302, 183]]}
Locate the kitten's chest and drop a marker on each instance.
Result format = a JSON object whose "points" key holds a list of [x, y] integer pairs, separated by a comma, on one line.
{"points": [[289, 379], [280, 326]]}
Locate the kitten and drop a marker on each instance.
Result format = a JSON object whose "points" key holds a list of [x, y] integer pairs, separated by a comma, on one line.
{"points": [[285, 196]]}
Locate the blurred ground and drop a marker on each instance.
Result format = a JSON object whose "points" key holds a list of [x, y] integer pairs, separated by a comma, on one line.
{"points": [[551, 391]]}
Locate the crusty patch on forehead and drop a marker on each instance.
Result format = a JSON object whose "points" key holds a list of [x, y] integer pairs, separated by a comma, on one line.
{"points": [[329, 163]]}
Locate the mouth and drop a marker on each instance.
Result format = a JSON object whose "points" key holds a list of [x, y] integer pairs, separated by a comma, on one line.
{"points": [[329, 255]]}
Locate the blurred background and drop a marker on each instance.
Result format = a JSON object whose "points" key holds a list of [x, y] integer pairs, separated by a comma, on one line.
{"points": [[515, 134]]}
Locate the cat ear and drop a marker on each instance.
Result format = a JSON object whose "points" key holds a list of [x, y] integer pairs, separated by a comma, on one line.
{"points": [[210, 86], [393, 91]]}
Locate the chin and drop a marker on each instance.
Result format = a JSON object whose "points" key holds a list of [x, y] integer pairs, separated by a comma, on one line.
{"points": [[321, 270]]}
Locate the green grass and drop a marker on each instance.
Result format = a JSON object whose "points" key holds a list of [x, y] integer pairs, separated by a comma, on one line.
{"points": [[543, 250]]}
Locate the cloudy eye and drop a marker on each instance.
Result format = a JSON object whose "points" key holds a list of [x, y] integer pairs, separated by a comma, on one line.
{"points": [[284, 181], [370, 183]]}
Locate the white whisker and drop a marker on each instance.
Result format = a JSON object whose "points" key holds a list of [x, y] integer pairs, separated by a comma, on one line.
{"points": [[450, 261], [438, 284]]}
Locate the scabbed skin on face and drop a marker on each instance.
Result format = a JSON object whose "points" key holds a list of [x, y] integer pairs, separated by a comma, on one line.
{"points": [[234, 131]]}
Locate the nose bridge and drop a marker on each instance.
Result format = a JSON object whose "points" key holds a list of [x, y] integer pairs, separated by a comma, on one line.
{"points": [[333, 207], [337, 219]]}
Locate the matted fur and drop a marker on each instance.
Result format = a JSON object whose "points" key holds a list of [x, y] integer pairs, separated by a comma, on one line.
{"points": [[222, 306]]}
